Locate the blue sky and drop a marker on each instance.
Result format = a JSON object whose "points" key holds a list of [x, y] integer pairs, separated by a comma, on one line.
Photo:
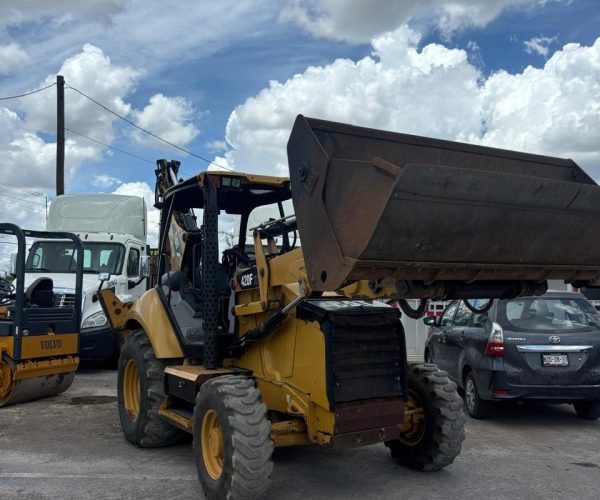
{"points": [[202, 73]]}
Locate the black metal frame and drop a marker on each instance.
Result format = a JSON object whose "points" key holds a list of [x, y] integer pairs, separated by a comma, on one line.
{"points": [[22, 319]]}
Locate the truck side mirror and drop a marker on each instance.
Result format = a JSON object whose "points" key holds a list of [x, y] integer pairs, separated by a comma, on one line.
{"points": [[103, 276], [144, 266], [13, 264], [431, 320]]}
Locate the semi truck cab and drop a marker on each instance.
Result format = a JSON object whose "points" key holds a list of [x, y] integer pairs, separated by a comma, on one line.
{"points": [[112, 229]]}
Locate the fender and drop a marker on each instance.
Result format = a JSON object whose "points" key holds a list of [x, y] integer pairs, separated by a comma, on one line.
{"points": [[147, 313]]}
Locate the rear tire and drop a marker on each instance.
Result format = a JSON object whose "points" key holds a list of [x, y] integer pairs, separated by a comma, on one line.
{"points": [[141, 392], [588, 410], [436, 434], [232, 439], [475, 406]]}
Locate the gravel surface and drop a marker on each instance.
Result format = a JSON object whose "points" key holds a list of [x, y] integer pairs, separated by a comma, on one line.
{"points": [[70, 446]]}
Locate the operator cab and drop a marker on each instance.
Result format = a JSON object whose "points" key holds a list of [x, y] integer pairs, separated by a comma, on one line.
{"points": [[182, 247]]}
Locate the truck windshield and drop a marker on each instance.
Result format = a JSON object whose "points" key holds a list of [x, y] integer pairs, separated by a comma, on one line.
{"points": [[57, 257], [545, 314]]}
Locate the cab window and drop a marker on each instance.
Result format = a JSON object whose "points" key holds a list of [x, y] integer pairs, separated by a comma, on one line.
{"points": [[133, 262]]}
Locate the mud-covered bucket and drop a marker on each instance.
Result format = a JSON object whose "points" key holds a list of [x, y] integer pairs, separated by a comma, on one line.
{"points": [[372, 205]]}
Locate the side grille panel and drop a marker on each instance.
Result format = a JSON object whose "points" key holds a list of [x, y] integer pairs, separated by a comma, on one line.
{"points": [[366, 356]]}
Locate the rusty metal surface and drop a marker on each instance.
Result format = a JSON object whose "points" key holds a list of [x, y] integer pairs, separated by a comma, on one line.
{"points": [[367, 414], [364, 438], [373, 204]]}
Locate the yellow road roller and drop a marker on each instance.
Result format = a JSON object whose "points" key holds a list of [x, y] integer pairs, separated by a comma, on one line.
{"points": [[39, 325]]}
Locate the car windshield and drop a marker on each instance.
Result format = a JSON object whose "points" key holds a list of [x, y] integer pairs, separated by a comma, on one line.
{"points": [[545, 314], [57, 257]]}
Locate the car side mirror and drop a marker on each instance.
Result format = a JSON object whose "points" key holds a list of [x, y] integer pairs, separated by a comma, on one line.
{"points": [[431, 320], [13, 264], [144, 266]]}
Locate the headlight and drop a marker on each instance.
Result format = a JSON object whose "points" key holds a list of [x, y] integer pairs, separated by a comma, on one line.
{"points": [[95, 320]]}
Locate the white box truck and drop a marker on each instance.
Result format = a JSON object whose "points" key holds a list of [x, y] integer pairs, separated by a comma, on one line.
{"points": [[113, 231]]}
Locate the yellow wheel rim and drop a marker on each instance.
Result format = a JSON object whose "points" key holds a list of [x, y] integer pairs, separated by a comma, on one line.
{"points": [[131, 390], [413, 426], [6, 381], [211, 440]]}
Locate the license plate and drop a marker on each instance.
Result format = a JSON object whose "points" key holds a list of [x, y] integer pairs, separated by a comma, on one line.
{"points": [[555, 360]]}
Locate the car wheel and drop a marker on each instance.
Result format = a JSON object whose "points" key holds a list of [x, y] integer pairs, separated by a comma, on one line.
{"points": [[475, 406], [589, 410]]}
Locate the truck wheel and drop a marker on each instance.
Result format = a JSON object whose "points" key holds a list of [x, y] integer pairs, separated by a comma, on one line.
{"points": [[140, 393], [433, 428], [589, 410], [232, 442], [476, 407]]}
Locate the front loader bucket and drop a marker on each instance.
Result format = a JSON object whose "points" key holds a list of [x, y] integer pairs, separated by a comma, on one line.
{"points": [[373, 205]]}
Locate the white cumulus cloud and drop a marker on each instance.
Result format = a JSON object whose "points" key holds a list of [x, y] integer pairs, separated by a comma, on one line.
{"points": [[553, 110], [434, 91], [171, 118], [12, 58], [29, 157]]}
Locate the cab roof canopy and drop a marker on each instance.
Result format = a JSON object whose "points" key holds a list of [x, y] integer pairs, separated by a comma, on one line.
{"points": [[237, 193]]}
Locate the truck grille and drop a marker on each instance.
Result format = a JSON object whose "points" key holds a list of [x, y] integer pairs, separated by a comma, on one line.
{"points": [[65, 300]]}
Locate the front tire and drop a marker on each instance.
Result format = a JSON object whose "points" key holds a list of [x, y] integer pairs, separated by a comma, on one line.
{"points": [[140, 393], [588, 410], [433, 432], [232, 442]]}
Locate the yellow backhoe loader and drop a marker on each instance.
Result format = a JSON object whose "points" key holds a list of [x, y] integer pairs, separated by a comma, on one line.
{"points": [[39, 325], [273, 344]]}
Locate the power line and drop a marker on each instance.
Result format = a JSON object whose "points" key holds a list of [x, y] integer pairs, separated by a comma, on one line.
{"points": [[117, 149], [23, 200], [109, 147], [25, 190], [27, 93], [147, 131]]}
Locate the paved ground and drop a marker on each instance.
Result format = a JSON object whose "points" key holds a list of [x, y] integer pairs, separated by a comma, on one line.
{"points": [[70, 446]]}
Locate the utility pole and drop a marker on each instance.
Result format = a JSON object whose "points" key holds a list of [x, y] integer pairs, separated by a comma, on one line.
{"points": [[60, 135]]}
